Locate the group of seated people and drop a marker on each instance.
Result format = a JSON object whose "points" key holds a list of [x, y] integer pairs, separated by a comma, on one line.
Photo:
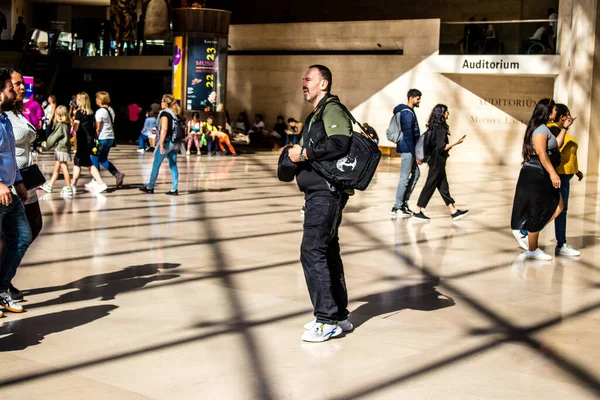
{"points": [[282, 134], [206, 134], [201, 134]]}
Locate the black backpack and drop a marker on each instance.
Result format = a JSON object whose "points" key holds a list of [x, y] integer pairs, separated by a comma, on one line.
{"points": [[356, 169], [179, 128]]}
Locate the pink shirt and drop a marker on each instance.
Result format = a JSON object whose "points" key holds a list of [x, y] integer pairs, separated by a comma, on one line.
{"points": [[32, 110], [134, 112]]}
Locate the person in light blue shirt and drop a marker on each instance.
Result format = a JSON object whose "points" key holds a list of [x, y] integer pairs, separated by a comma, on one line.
{"points": [[149, 131], [13, 222]]}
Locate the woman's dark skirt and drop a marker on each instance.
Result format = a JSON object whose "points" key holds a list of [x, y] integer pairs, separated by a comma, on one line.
{"points": [[85, 144], [535, 200]]}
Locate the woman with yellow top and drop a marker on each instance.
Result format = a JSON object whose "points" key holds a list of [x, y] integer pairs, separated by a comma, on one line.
{"points": [[567, 168]]}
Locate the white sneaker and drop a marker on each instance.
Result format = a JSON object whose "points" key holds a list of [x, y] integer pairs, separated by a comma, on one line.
{"points": [[187, 153], [321, 332], [346, 325], [141, 150], [9, 303], [100, 188], [523, 240], [538, 254], [566, 250], [47, 188], [91, 184], [74, 189], [67, 191]]}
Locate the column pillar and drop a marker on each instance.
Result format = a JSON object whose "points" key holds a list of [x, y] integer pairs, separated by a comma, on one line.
{"points": [[200, 60], [579, 48]]}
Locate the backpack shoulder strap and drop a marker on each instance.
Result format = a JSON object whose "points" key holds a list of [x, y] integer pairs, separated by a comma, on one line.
{"points": [[345, 109]]}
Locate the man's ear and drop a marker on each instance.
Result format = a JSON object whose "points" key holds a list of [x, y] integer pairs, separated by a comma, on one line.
{"points": [[324, 84]]}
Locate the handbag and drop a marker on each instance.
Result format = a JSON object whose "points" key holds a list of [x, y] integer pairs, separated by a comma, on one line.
{"points": [[32, 177], [286, 168]]}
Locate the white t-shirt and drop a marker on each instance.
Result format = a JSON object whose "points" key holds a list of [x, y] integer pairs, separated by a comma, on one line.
{"points": [[107, 131]]}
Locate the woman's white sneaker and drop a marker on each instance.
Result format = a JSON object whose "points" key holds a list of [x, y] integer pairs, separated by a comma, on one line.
{"points": [[321, 332], [521, 239], [538, 254], [100, 188], [566, 250]]}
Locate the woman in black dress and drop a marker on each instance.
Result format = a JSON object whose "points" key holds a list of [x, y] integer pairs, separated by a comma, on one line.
{"points": [[537, 198], [439, 147], [84, 126]]}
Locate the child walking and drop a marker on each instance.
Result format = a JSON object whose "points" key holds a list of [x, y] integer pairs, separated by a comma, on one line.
{"points": [[62, 153]]}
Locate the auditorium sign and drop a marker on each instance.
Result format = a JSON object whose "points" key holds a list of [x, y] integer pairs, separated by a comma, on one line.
{"points": [[542, 65]]}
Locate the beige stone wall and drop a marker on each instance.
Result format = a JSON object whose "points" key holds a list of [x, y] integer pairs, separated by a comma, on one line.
{"points": [[489, 109], [360, 35], [580, 70]]}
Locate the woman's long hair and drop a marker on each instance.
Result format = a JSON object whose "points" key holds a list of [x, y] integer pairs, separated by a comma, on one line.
{"points": [[437, 119], [541, 116], [172, 104], [84, 103]]}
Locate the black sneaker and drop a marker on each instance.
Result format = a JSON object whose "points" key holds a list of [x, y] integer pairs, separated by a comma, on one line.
{"points": [[16, 294], [146, 190], [400, 212], [172, 193], [406, 209], [459, 214], [420, 216]]}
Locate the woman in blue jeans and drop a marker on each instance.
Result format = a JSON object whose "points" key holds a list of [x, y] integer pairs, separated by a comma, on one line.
{"points": [[105, 118], [166, 147], [568, 168]]}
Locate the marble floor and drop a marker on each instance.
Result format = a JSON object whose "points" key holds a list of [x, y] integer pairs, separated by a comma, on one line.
{"points": [[202, 296]]}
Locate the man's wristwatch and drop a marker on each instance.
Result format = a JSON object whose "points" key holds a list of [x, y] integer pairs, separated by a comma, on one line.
{"points": [[301, 157]]}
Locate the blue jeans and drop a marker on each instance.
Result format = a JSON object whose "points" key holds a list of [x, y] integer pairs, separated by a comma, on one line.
{"points": [[211, 144], [143, 141], [104, 146], [17, 234], [171, 154], [560, 223], [409, 176], [292, 138]]}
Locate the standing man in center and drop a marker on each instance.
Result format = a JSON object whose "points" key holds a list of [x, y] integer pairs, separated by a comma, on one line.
{"points": [[327, 135], [409, 165]]}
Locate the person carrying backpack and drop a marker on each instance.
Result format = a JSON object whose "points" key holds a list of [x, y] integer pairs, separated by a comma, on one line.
{"points": [[327, 135], [437, 148], [409, 168], [171, 127]]}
